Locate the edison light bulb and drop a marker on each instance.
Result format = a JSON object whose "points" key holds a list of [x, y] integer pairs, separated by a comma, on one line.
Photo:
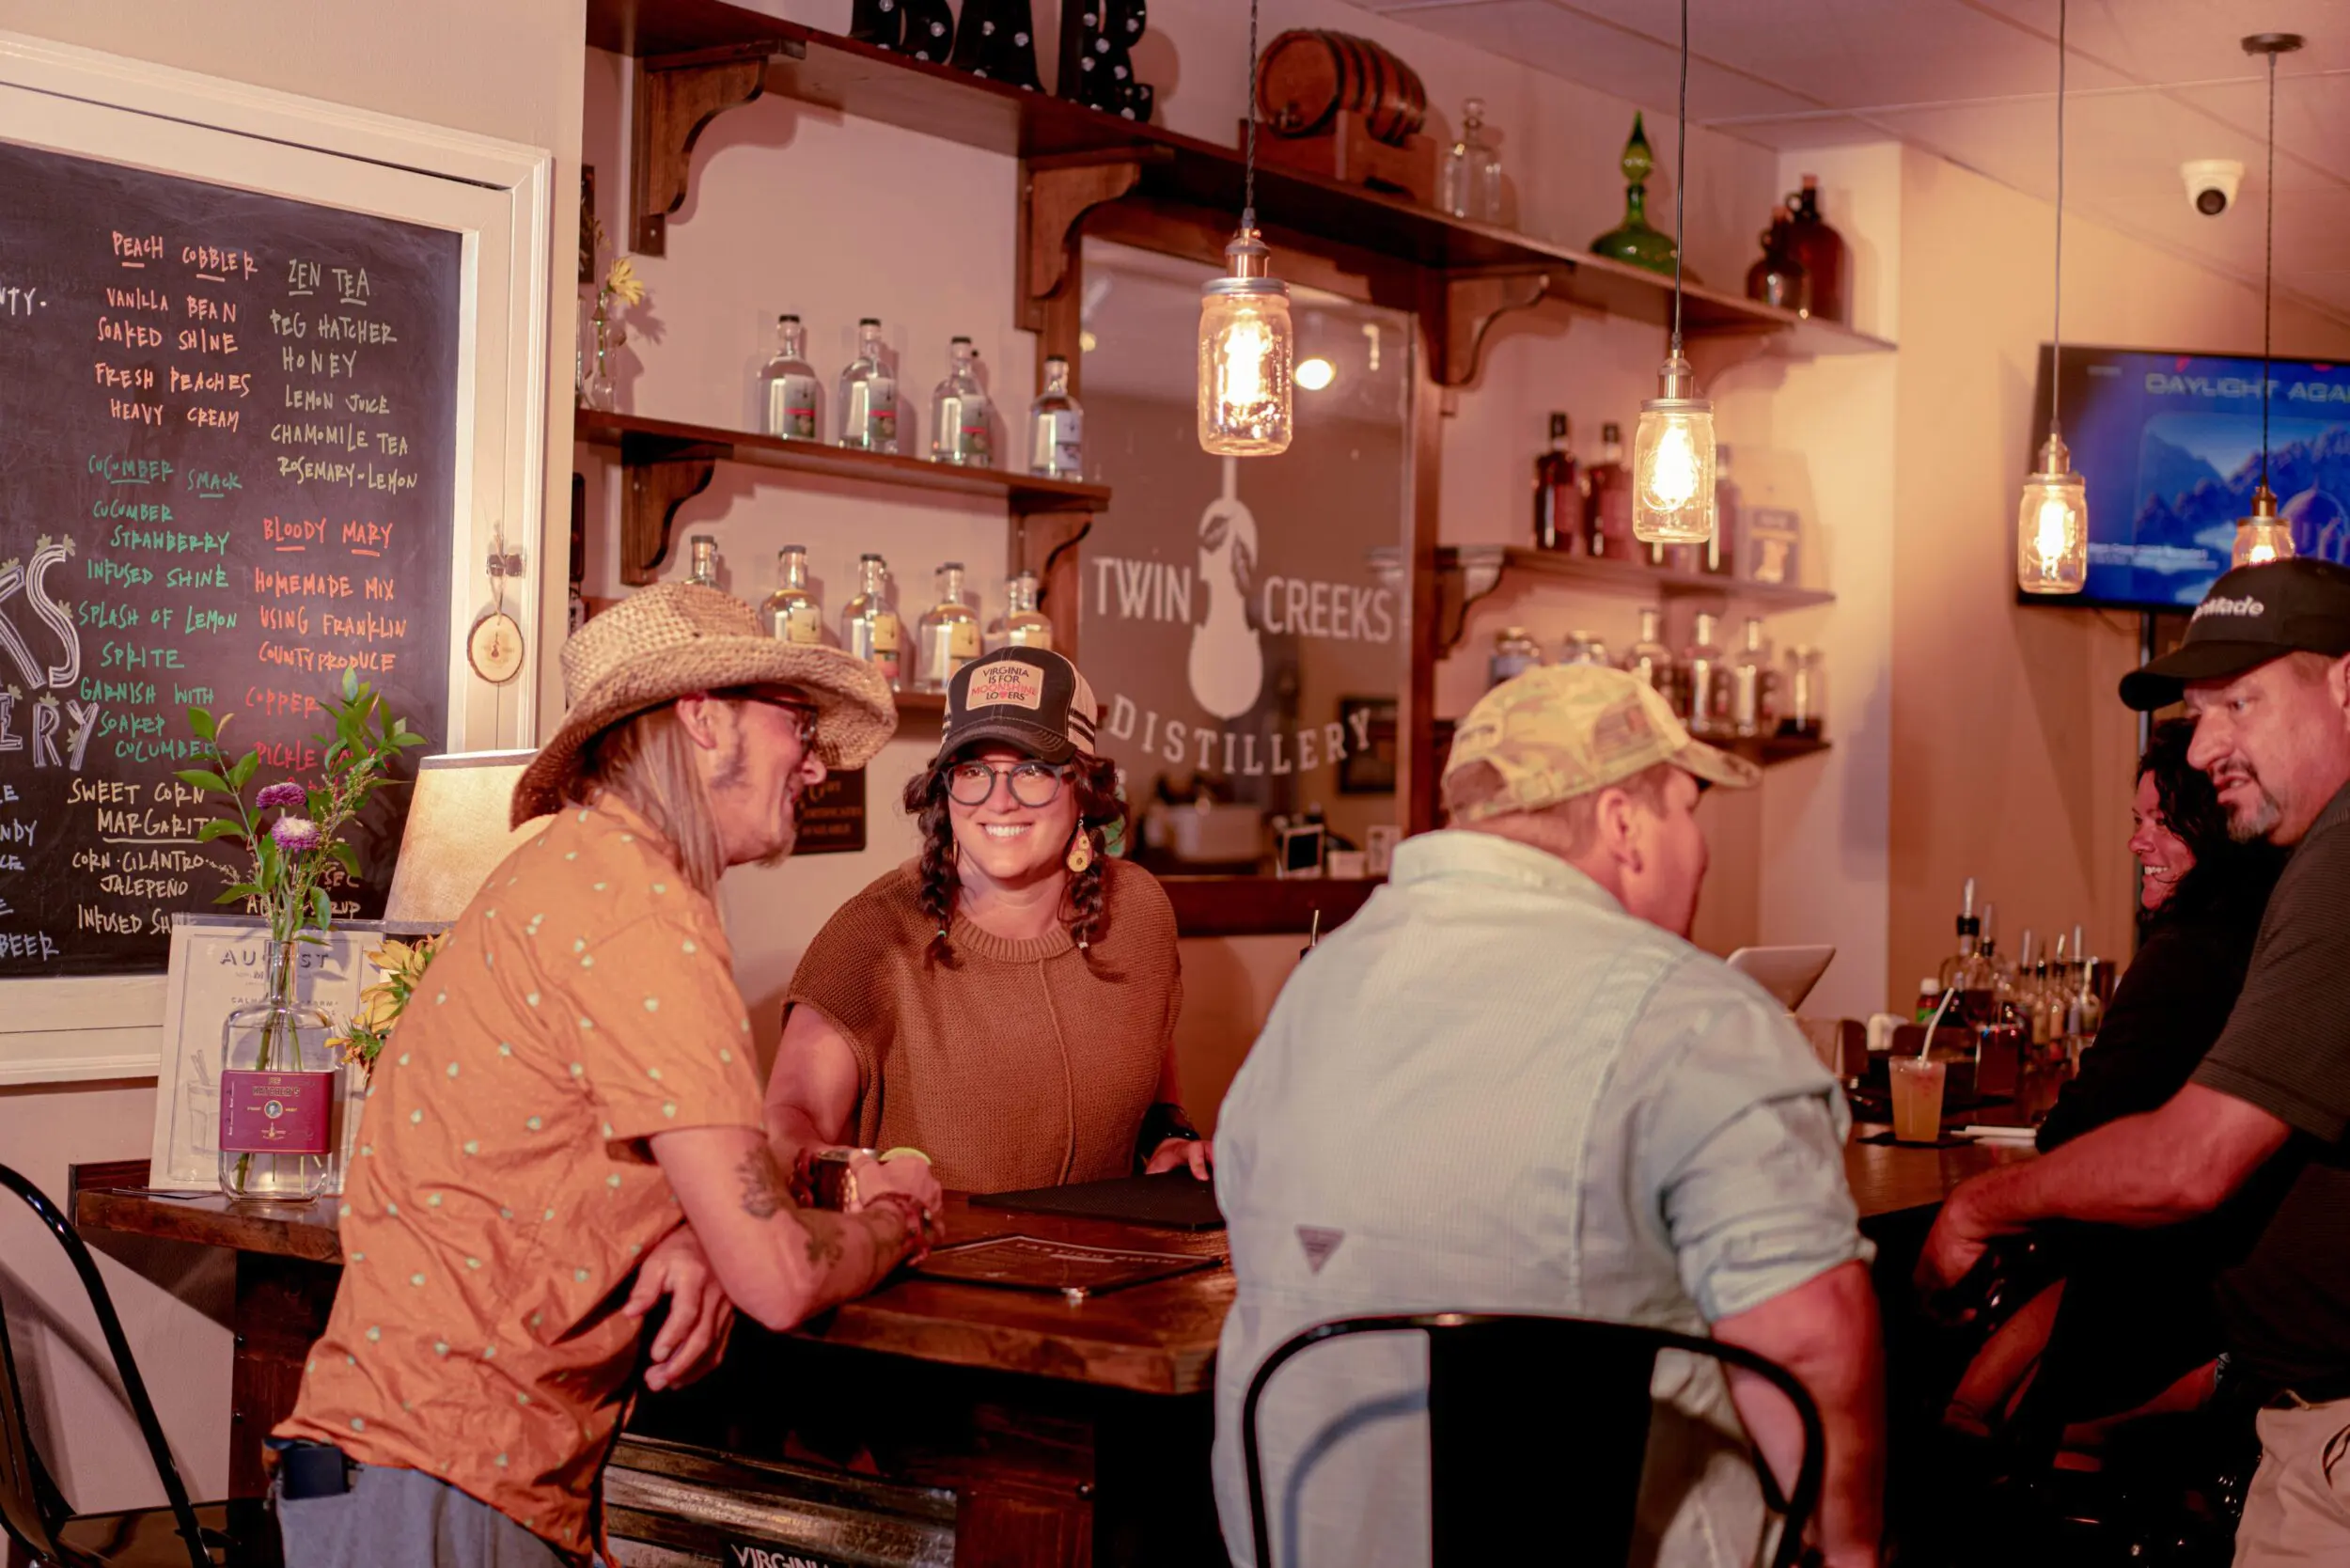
{"points": [[2264, 537], [1672, 462], [2052, 525], [1244, 353]]}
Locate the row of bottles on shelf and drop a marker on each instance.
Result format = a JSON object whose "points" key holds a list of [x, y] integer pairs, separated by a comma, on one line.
{"points": [[1585, 509], [2049, 996], [946, 636], [1717, 694], [963, 425]]}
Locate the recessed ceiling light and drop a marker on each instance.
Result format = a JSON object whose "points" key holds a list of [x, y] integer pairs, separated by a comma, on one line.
{"points": [[1316, 373]]}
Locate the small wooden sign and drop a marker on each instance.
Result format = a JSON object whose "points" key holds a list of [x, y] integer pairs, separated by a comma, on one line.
{"points": [[832, 816]]}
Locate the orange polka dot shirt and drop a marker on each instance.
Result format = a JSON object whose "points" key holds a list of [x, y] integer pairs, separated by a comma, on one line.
{"points": [[503, 1190]]}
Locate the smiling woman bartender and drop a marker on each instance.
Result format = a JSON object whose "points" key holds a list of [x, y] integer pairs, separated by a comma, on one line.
{"points": [[1006, 1001]]}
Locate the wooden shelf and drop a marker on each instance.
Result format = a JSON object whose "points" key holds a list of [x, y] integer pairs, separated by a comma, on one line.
{"points": [[668, 463], [1630, 579], [835, 72], [920, 714], [1468, 572], [1769, 751], [1262, 906], [642, 440]]}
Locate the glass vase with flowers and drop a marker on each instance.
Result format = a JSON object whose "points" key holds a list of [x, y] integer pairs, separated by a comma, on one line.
{"points": [[278, 1072]]}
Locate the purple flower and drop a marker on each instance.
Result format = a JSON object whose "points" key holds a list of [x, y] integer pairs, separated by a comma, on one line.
{"points": [[273, 795], [295, 834]]}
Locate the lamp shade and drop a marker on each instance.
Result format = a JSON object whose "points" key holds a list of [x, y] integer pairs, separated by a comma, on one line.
{"points": [[2263, 537], [456, 834]]}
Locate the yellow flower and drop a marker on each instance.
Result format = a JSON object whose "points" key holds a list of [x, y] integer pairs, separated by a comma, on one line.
{"points": [[623, 283]]}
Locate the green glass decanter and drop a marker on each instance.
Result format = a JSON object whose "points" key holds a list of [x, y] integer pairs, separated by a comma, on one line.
{"points": [[1634, 240]]}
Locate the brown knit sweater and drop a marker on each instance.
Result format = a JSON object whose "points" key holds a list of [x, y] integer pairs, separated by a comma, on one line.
{"points": [[1011, 1064]]}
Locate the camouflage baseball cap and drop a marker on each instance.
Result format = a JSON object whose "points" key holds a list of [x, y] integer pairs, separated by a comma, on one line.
{"points": [[1563, 730]]}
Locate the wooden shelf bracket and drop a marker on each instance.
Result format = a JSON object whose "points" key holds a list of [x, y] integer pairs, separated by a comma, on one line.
{"points": [[676, 97], [1469, 304], [1056, 194], [655, 487]]}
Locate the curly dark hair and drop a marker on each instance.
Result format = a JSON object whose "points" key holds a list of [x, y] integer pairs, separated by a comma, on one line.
{"points": [[2225, 871], [1099, 809]]}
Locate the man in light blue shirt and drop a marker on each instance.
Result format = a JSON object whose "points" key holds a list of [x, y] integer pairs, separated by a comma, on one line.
{"points": [[1509, 1084]]}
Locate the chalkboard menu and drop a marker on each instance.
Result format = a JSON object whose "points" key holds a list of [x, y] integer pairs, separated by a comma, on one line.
{"points": [[227, 457]]}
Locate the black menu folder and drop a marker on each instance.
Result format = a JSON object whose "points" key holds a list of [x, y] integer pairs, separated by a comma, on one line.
{"points": [[1172, 1201]]}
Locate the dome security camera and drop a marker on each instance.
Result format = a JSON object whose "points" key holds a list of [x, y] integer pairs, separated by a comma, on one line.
{"points": [[2211, 184]]}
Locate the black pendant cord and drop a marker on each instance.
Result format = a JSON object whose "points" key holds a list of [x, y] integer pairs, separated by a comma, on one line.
{"points": [[1681, 171], [2056, 329], [1248, 165], [2268, 264]]}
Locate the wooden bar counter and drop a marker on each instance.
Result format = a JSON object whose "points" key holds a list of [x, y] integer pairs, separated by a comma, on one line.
{"points": [[1071, 1433]]}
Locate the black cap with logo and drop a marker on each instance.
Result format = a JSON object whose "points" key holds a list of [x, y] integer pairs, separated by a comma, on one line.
{"points": [[2250, 616], [1026, 697]]}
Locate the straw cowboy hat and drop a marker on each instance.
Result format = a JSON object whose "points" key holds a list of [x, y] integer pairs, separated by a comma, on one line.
{"points": [[676, 639]]}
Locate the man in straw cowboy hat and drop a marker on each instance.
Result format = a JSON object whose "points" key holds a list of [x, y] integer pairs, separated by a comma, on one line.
{"points": [[567, 1125], [1511, 1085]]}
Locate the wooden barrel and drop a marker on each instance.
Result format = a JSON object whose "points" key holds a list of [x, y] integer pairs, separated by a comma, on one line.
{"points": [[1306, 76]]}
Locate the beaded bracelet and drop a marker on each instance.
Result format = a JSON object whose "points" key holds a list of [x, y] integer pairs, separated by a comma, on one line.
{"points": [[920, 1224]]}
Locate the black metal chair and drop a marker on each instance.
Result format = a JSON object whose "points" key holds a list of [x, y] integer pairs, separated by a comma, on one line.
{"points": [[1485, 1372], [36, 1512]]}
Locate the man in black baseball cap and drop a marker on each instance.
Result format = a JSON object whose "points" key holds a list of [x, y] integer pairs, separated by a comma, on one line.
{"points": [[2264, 671]]}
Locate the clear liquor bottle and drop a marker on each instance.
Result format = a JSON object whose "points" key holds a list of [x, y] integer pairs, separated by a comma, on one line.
{"points": [[1651, 662], [791, 613], [704, 571], [1056, 427], [1584, 648], [1560, 493], [1472, 169], [789, 392], [1706, 673], [1607, 501], [1753, 685], [1023, 624], [1967, 971], [1515, 652], [960, 431], [869, 627], [868, 394], [948, 636]]}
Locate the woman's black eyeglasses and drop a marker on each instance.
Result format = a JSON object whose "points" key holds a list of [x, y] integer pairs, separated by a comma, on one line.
{"points": [[1033, 783]]}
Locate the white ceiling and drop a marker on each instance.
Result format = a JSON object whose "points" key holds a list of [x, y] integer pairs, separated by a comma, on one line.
{"points": [[2151, 85]]}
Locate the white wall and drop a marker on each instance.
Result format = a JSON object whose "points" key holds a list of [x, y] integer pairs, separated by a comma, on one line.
{"points": [[792, 208], [510, 69]]}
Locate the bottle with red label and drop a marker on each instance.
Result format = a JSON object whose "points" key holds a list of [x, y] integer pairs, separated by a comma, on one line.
{"points": [[278, 1084]]}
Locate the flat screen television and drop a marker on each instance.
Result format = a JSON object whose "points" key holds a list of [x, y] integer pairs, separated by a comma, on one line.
{"points": [[2170, 446]]}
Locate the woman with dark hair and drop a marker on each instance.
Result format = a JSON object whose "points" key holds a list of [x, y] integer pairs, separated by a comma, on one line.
{"points": [[2132, 1319], [1006, 1001]]}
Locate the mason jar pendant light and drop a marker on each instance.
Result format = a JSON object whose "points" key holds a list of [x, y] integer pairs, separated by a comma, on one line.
{"points": [[2052, 521], [2264, 535], [1672, 452], [1246, 346]]}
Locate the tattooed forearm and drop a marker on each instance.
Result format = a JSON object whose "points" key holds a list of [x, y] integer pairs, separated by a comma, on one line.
{"points": [[826, 1246], [765, 1193]]}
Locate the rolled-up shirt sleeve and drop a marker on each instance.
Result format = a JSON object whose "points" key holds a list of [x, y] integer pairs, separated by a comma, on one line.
{"points": [[1742, 1144]]}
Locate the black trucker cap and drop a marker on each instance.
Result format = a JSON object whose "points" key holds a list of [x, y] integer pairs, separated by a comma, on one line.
{"points": [[1026, 697], [2250, 616]]}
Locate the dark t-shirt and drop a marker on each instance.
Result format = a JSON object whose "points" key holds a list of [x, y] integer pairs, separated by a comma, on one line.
{"points": [[2286, 1049], [2169, 1008]]}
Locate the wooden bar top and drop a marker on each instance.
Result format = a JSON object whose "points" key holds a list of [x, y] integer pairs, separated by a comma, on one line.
{"points": [[1158, 1338]]}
